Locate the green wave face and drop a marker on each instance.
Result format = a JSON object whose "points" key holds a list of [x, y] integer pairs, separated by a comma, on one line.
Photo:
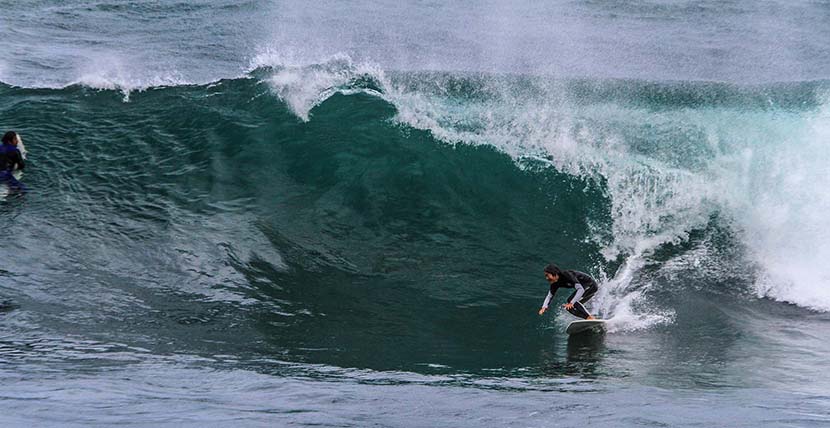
{"points": [[342, 215]]}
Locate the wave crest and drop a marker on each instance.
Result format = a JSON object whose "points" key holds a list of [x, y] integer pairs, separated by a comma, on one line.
{"points": [[303, 86]]}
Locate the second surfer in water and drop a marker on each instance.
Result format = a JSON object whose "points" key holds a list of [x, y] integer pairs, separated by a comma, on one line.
{"points": [[584, 288], [11, 159]]}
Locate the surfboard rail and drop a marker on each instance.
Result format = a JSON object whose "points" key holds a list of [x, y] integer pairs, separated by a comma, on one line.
{"points": [[580, 326]]}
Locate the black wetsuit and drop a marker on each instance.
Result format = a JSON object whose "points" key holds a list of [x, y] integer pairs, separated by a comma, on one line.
{"points": [[10, 157], [584, 288]]}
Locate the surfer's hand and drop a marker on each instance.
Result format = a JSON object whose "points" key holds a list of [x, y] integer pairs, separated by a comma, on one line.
{"points": [[541, 311], [568, 306]]}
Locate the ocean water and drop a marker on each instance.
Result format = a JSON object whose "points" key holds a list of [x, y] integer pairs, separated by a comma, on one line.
{"points": [[277, 213]]}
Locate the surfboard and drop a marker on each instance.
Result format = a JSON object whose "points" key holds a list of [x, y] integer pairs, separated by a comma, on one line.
{"points": [[581, 326], [4, 189], [21, 147]]}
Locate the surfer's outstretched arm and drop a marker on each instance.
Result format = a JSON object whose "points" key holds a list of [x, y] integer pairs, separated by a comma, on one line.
{"points": [[547, 302]]}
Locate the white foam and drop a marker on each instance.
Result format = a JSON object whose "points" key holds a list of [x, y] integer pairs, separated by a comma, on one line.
{"points": [[619, 298], [114, 72], [778, 195]]}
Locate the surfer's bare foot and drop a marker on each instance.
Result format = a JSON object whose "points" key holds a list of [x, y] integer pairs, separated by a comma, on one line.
{"points": [[590, 317]]}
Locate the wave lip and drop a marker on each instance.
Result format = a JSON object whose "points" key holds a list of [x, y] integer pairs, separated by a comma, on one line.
{"points": [[303, 86]]}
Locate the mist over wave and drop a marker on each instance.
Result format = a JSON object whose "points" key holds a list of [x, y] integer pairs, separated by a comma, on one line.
{"points": [[143, 43]]}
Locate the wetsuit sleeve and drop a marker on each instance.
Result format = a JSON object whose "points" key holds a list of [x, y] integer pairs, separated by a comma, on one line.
{"points": [[580, 290], [547, 300], [17, 158]]}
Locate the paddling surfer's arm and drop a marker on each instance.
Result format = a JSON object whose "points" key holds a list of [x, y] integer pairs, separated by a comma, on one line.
{"points": [[13, 159], [17, 158]]}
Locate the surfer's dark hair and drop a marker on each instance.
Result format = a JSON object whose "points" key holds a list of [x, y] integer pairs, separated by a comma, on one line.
{"points": [[9, 137], [553, 269]]}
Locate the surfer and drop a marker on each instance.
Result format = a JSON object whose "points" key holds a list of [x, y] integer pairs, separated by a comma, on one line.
{"points": [[584, 288], [10, 159]]}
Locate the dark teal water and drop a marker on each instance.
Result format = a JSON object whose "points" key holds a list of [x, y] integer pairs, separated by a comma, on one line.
{"points": [[229, 227]]}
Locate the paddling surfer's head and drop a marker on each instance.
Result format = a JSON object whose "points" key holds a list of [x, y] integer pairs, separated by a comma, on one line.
{"points": [[552, 273], [11, 138]]}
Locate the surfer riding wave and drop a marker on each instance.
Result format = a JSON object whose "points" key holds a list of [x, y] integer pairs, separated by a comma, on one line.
{"points": [[584, 288]]}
